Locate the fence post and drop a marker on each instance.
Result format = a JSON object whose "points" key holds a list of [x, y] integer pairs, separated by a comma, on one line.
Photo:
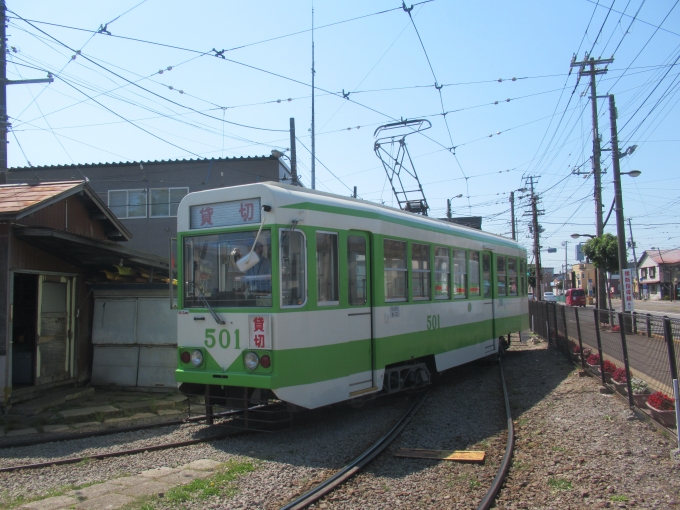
{"points": [[566, 333], [649, 325], [668, 334], [580, 341], [635, 323], [624, 347], [599, 346], [557, 334]]}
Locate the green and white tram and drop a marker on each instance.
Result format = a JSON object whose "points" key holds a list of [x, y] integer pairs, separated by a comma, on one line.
{"points": [[313, 298]]}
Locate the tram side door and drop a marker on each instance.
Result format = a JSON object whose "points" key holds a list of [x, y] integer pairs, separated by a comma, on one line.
{"points": [[487, 294], [360, 312]]}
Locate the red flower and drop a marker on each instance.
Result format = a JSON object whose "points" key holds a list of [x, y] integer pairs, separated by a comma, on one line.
{"points": [[577, 349], [661, 401], [593, 359], [619, 375], [609, 367]]}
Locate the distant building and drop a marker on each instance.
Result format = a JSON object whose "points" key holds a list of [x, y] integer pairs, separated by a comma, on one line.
{"points": [[659, 272]]}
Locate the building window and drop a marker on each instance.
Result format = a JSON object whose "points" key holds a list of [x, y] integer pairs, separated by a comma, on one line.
{"points": [[652, 272], [327, 268], [420, 270], [394, 259], [441, 273], [512, 276], [128, 203], [459, 274], [643, 272], [164, 202]]}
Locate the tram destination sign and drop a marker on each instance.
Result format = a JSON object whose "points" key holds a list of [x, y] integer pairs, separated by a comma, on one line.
{"points": [[224, 214]]}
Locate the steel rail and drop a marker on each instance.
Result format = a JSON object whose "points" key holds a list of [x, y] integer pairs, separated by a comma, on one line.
{"points": [[491, 494], [121, 453], [355, 466]]}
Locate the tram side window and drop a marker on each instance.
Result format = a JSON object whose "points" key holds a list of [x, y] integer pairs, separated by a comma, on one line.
{"points": [[460, 274], [395, 270], [474, 274], [293, 264], [512, 276], [441, 273], [501, 273], [486, 274], [327, 268], [356, 261], [420, 270], [522, 277]]}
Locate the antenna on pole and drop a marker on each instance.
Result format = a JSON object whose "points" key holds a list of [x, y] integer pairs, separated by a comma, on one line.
{"points": [[313, 137]]}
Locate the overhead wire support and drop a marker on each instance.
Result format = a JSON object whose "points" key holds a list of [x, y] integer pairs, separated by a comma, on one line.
{"points": [[405, 185]]}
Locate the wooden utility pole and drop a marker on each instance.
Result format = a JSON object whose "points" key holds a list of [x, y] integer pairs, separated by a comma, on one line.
{"points": [[592, 72], [632, 245], [4, 118], [538, 291]]}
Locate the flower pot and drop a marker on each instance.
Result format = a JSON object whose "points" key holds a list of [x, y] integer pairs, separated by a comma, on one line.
{"points": [[640, 399], [622, 388], [665, 418], [608, 377], [594, 368]]}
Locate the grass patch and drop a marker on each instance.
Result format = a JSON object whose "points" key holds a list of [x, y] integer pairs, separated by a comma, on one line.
{"points": [[84, 462], [619, 498], [5, 502], [474, 484], [560, 484], [153, 407], [519, 465], [220, 484], [559, 449]]}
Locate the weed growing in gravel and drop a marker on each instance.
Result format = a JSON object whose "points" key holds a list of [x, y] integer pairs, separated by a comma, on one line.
{"points": [[519, 465], [153, 407], [84, 462], [219, 484], [474, 484], [559, 449], [619, 498], [608, 418], [560, 484], [100, 417]]}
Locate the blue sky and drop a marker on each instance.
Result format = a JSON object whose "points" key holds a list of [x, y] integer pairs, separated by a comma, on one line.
{"points": [[111, 103]]}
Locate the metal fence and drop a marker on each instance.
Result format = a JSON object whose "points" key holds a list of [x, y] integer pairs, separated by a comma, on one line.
{"points": [[646, 346]]}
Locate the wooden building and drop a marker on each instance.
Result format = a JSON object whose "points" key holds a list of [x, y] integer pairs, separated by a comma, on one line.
{"points": [[54, 238]]}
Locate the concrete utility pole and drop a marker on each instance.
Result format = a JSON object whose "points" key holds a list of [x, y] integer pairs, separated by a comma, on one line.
{"points": [[293, 155], [512, 214], [632, 245], [620, 225], [538, 291], [313, 129], [4, 119], [597, 152]]}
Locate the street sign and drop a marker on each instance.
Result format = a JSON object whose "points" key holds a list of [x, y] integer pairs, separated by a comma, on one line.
{"points": [[627, 291]]}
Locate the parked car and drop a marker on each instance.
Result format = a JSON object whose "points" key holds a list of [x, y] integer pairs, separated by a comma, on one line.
{"points": [[549, 296], [576, 297]]}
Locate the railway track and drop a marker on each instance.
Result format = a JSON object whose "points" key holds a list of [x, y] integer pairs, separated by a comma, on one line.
{"points": [[330, 484]]}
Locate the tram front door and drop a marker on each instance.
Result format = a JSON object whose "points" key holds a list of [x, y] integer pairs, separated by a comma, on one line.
{"points": [[359, 315], [487, 294]]}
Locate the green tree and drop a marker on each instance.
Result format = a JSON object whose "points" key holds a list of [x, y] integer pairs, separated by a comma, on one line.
{"points": [[603, 251]]}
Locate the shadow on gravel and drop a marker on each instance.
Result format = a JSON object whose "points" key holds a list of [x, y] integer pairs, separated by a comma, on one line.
{"points": [[465, 412]]}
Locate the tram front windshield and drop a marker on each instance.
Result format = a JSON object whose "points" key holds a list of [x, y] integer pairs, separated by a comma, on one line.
{"points": [[212, 275]]}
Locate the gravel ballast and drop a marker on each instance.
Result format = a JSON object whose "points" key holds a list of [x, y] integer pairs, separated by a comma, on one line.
{"points": [[576, 448]]}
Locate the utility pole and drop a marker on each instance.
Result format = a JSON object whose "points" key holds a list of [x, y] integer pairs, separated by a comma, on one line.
{"points": [[313, 132], [4, 118], [293, 154], [512, 214], [354, 195], [566, 266], [632, 245], [597, 152], [618, 196], [537, 248]]}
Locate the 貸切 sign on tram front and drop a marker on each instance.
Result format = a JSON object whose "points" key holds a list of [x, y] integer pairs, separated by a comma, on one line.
{"points": [[224, 214], [259, 329]]}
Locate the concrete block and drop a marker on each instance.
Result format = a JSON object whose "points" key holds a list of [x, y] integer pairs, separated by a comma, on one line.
{"points": [[86, 424], [115, 366], [88, 411], [50, 503], [159, 472], [169, 412], [145, 488], [184, 477], [157, 365], [55, 428], [21, 432], [94, 491], [125, 481], [110, 501], [202, 465]]}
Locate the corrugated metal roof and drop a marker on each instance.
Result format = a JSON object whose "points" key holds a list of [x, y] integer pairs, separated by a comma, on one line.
{"points": [[128, 163], [14, 198]]}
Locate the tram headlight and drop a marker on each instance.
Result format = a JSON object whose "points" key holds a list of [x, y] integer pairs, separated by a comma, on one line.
{"points": [[251, 360], [197, 358]]}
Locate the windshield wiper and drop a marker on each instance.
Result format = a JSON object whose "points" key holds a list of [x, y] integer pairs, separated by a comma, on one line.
{"points": [[207, 305]]}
